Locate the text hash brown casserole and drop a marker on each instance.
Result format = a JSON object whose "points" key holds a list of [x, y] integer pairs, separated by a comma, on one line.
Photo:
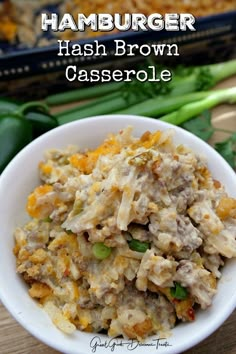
{"points": [[128, 238]]}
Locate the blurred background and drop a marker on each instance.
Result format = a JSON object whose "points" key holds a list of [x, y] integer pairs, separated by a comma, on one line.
{"points": [[30, 67]]}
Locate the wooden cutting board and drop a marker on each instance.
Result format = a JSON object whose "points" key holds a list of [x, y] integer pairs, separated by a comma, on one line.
{"points": [[15, 340]]}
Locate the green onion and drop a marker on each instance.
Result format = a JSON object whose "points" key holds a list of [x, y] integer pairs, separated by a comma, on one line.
{"points": [[138, 246], [89, 104], [192, 109], [103, 106], [83, 93], [157, 106], [179, 292], [101, 251], [106, 107]]}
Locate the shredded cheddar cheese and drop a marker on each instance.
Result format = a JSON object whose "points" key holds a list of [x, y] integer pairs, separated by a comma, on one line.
{"points": [[34, 208], [86, 162]]}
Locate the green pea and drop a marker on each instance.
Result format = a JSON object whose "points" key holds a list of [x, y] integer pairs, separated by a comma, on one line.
{"points": [[101, 251]]}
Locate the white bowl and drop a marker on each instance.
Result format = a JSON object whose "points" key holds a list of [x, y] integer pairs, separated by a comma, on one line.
{"points": [[18, 180]]}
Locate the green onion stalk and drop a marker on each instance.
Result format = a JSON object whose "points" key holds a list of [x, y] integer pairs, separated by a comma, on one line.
{"points": [[192, 109]]}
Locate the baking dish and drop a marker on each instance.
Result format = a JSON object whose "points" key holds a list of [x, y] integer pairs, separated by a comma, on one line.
{"points": [[217, 32]]}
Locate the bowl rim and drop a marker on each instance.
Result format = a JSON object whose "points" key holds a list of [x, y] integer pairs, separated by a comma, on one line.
{"points": [[198, 337]]}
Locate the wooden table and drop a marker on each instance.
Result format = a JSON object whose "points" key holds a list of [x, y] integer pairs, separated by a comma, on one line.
{"points": [[15, 340]]}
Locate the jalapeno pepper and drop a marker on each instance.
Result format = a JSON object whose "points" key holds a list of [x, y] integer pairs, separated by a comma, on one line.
{"points": [[15, 133], [37, 114], [40, 122], [19, 124], [7, 106]]}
